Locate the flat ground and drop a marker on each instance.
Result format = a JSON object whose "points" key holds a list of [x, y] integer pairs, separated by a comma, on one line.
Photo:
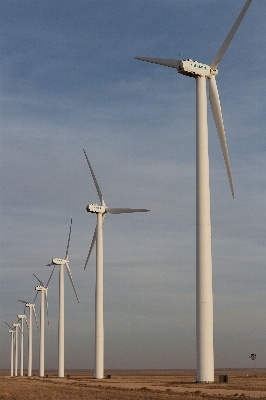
{"points": [[134, 385]]}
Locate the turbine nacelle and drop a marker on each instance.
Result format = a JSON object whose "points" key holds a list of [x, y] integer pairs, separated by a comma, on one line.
{"points": [[194, 68], [185, 67], [58, 261], [22, 316], [94, 208], [41, 288]]}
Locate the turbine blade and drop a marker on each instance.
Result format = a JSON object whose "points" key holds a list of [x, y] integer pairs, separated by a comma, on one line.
{"points": [[35, 316], [23, 301], [46, 299], [125, 210], [92, 245], [68, 238], [71, 280], [167, 62], [218, 118], [26, 322], [230, 36], [50, 277], [35, 297], [9, 326], [38, 280], [95, 181]]}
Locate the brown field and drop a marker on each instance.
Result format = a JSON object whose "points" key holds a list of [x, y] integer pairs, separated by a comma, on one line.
{"points": [[134, 385]]}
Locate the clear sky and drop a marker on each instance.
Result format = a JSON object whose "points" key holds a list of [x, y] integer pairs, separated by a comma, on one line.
{"points": [[69, 81]]}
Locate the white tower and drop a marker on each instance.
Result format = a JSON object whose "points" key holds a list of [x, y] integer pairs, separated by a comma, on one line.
{"points": [[12, 352], [43, 291], [62, 263], [21, 317], [101, 211], [204, 297], [16, 348], [31, 307]]}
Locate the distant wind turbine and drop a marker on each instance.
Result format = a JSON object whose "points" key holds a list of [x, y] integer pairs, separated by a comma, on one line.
{"points": [[62, 262], [98, 238], [11, 331], [16, 326], [22, 317], [43, 289], [204, 296], [12, 352], [31, 307]]}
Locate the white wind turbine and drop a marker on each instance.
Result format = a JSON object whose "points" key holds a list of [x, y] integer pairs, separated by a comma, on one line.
{"points": [[62, 262], [16, 326], [204, 296], [43, 289], [31, 307], [12, 352], [11, 331], [22, 317], [98, 238]]}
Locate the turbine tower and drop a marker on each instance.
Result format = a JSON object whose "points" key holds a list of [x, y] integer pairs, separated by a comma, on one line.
{"points": [[43, 289], [22, 317], [62, 262], [12, 352], [11, 330], [16, 326], [204, 297], [98, 238], [31, 307]]}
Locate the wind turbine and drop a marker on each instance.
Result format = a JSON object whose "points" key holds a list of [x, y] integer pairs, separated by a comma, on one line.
{"points": [[98, 238], [253, 357], [204, 296], [11, 330], [43, 289], [12, 352], [22, 317], [16, 326], [31, 307], [61, 323]]}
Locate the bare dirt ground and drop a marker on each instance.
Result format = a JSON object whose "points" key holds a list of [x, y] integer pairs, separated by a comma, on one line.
{"points": [[134, 385]]}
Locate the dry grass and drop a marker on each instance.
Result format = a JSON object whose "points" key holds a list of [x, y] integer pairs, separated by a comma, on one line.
{"points": [[141, 386]]}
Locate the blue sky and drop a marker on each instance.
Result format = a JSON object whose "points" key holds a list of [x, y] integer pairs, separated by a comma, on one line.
{"points": [[69, 81]]}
